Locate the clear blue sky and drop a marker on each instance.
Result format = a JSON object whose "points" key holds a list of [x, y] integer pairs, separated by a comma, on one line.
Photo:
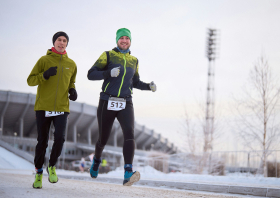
{"points": [[168, 38]]}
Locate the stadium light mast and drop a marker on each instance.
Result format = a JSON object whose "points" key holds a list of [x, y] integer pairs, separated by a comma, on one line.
{"points": [[211, 54]]}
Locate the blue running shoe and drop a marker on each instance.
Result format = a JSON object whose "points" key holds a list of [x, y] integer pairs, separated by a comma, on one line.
{"points": [[131, 177], [93, 173], [94, 168]]}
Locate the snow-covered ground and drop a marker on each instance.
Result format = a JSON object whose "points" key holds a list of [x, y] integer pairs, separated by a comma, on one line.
{"points": [[9, 160], [230, 179], [17, 176]]}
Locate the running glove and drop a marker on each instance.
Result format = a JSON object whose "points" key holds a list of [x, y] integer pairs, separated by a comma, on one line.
{"points": [[115, 72], [50, 72], [73, 94], [153, 86]]}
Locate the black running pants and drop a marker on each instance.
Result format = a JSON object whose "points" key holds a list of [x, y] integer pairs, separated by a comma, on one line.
{"points": [[43, 128], [105, 122]]}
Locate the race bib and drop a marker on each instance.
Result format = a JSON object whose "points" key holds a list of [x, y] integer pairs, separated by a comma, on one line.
{"points": [[53, 113], [116, 104]]}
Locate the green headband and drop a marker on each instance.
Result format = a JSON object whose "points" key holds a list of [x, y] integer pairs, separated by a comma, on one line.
{"points": [[123, 32]]}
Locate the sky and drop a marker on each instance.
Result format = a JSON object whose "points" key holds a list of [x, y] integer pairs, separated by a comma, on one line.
{"points": [[169, 40]]}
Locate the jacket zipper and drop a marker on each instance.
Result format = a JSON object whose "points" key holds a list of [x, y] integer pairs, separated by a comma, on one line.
{"points": [[130, 90], [106, 86], [57, 82], [62, 74], [123, 76]]}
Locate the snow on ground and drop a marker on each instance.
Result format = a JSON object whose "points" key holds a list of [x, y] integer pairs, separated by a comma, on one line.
{"points": [[148, 172], [20, 186], [17, 176], [9, 160]]}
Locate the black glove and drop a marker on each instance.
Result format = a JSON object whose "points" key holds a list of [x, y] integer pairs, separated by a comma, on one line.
{"points": [[73, 94], [50, 72]]}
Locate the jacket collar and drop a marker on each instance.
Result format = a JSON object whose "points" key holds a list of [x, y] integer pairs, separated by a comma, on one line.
{"points": [[116, 50], [50, 52]]}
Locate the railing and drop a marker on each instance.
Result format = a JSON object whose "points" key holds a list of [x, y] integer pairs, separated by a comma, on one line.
{"points": [[215, 163]]}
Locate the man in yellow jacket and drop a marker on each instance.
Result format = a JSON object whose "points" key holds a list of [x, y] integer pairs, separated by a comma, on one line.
{"points": [[55, 76]]}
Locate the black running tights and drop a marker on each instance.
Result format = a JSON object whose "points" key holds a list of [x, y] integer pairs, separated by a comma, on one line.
{"points": [[106, 119], [43, 128]]}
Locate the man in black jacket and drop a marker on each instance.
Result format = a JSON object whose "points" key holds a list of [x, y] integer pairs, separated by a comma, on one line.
{"points": [[119, 70]]}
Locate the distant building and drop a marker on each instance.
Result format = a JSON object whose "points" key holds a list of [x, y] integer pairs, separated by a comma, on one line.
{"points": [[18, 128]]}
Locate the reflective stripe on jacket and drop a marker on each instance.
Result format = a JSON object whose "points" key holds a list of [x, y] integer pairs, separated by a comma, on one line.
{"points": [[52, 94]]}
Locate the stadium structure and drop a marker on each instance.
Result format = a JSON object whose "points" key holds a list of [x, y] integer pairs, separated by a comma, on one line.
{"points": [[18, 130]]}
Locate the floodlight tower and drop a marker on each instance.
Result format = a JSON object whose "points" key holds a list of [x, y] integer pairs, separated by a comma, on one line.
{"points": [[211, 54]]}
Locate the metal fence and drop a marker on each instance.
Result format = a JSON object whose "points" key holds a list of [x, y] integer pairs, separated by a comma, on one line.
{"points": [[215, 163]]}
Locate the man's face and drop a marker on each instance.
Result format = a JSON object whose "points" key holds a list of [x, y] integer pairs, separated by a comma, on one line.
{"points": [[60, 44], [124, 43]]}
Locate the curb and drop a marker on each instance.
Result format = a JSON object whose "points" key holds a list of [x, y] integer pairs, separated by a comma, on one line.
{"points": [[226, 189]]}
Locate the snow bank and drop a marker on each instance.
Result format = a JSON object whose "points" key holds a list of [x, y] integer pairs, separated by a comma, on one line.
{"points": [[9, 160]]}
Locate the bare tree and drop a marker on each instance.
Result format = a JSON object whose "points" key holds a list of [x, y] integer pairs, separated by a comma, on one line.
{"points": [[191, 135], [198, 139], [257, 122]]}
